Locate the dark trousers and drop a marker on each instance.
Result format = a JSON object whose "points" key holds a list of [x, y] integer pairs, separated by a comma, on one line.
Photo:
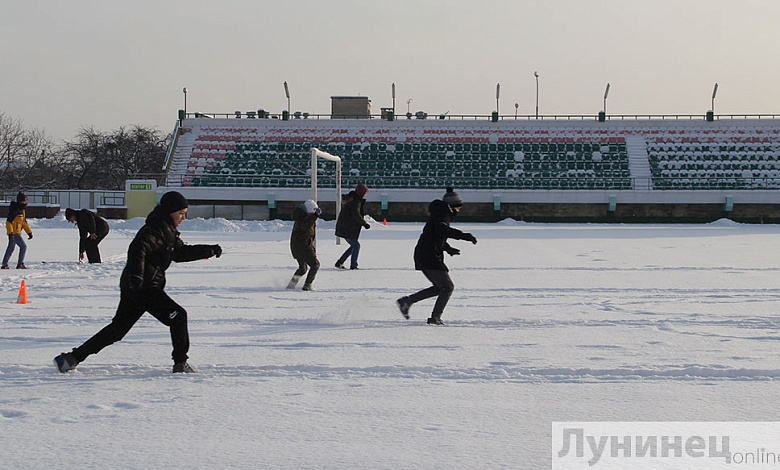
{"points": [[130, 309], [91, 248], [307, 262], [441, 289]]}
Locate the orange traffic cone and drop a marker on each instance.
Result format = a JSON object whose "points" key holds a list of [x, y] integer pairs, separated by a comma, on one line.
{"points": [[22, 299], [384, 221]]}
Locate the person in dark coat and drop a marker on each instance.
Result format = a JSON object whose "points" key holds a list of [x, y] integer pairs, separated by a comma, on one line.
{"points": [[92, 230], [14, 224], [303, 243], [429, 255], [142, 284], [351, 220]]}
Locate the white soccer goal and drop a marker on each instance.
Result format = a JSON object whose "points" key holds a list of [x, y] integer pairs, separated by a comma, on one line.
{"points": [[315, 154]]}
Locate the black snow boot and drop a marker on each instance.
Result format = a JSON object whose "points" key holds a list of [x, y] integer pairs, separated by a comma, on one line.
{"points": [[183, 367], [65, 362], [403, 306]]}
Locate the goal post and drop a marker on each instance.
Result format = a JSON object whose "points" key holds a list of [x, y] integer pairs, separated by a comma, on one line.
{"points": [[315, 155]]}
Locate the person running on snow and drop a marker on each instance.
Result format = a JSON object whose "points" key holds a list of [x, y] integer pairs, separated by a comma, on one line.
{"points": [[14, 224], [351, 220], [142, 284], [92, 230], [429, 255], [302, 243]]}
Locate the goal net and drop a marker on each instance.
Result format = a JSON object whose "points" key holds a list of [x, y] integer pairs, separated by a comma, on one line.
{"points": [[316, 154]]}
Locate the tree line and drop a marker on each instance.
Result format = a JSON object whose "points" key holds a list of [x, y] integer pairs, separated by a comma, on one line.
{"points": [[30, 159]]}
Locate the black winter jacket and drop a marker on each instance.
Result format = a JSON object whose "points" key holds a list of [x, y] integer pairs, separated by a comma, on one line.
{"points": [[88, 223], [351, 216], [155, 245], [14, 210], [429, 252], [304, 233]]}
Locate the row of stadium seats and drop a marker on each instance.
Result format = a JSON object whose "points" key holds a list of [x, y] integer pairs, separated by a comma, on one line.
{"points": [[284, 164], [682, 132], [728, 160], [536, 182], [678, 183], [401, 147], [714, 165]]}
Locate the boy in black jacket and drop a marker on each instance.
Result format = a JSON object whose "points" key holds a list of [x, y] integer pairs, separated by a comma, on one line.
{"points": [[151, 252], [429, 255], [92, 230]]}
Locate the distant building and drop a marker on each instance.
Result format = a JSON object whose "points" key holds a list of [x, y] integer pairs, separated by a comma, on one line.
{"points": [[350, 107]]}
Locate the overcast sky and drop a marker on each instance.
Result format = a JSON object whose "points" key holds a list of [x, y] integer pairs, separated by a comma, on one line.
{"points": [[106, 64]]}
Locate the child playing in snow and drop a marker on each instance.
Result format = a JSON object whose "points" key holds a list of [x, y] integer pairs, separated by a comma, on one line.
{"points": [[302, 243], [14, 224]]}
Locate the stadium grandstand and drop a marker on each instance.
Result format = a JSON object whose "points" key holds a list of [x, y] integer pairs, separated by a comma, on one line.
{"points": [[663, 168]]}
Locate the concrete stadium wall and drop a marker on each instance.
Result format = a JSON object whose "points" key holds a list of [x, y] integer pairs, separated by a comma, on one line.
{"points": [[208, 210], [488, 206], [531, 212], [34, 211]]}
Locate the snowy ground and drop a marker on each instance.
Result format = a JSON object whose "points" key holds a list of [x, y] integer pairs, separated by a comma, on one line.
{"points": [[547, 323]]}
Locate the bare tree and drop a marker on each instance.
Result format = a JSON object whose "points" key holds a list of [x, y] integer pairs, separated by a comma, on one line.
{"points": [[94, 160], [105, 160], [25, 155], [136, 151], [85, 158]]}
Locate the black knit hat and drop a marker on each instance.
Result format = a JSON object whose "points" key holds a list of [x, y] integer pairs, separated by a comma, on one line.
{"points": [[173, 201], [452, 198], [70, 213], [20, 197]]}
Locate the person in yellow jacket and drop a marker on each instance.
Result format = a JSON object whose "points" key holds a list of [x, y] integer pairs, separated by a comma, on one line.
{"points": [[16, 222]]}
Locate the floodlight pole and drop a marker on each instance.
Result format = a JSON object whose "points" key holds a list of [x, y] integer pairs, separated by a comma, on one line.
{"points": [[184, 90], [536, 74], [498, 92], [606, 93], [714, 92], [287, 94], [393, 92]]}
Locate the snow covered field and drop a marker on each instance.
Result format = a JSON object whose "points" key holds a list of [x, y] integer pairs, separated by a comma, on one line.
{"points": [[547, 323]]}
